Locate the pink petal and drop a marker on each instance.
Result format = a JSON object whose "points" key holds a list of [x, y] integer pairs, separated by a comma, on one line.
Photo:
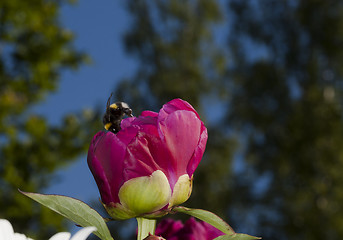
{"points": [[97, 169], [149, 113], [199, 152], [174, 105], [168, 227], [105, 159], [146, 153], [180, 131]]}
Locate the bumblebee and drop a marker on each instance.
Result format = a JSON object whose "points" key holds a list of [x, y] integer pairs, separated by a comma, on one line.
{"points": [[114, 114]]}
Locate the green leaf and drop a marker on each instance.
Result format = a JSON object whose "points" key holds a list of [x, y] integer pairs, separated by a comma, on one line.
{"points": [[75, 210], [236, 236], [208, 217]]}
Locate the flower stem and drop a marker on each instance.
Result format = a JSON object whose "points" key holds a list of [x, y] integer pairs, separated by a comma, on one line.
{"points": [[145, 226]]}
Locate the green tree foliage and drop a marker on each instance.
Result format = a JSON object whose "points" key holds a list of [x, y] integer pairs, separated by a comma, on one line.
{"points": [[34, 49], [287, 103], [173, 43], [284, 82]]}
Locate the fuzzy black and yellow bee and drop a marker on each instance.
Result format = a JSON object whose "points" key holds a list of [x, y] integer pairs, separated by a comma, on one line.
{"points": [[114, 114]]}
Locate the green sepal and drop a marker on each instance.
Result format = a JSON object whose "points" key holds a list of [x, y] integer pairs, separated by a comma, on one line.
{"points": [[236, 236], [216, 222], [75, 210], [208, 217], [142, 195]]}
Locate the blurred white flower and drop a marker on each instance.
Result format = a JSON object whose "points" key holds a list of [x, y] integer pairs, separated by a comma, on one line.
{"points": [[80, 235], [7, 233]]}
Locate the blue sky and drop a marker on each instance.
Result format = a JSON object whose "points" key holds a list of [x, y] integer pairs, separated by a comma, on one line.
{"points": [[98, 30]]}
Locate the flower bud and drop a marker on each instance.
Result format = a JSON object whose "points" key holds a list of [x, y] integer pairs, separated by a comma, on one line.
{"points": [[147, 167], [191, 229], [153, 237]]}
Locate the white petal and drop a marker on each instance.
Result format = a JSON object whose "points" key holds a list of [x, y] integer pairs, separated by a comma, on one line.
{"points": [[19, 236], [6, 230], [83, 233], [61, 236]]}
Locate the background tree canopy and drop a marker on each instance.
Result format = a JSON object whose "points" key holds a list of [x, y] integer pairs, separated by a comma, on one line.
{"points": [[279, 97], [266, 77], [287, 106], [34, 50]]}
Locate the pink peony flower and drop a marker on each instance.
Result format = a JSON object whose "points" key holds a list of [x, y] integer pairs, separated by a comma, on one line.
{"points": [[147, 167], [191, 230]]}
